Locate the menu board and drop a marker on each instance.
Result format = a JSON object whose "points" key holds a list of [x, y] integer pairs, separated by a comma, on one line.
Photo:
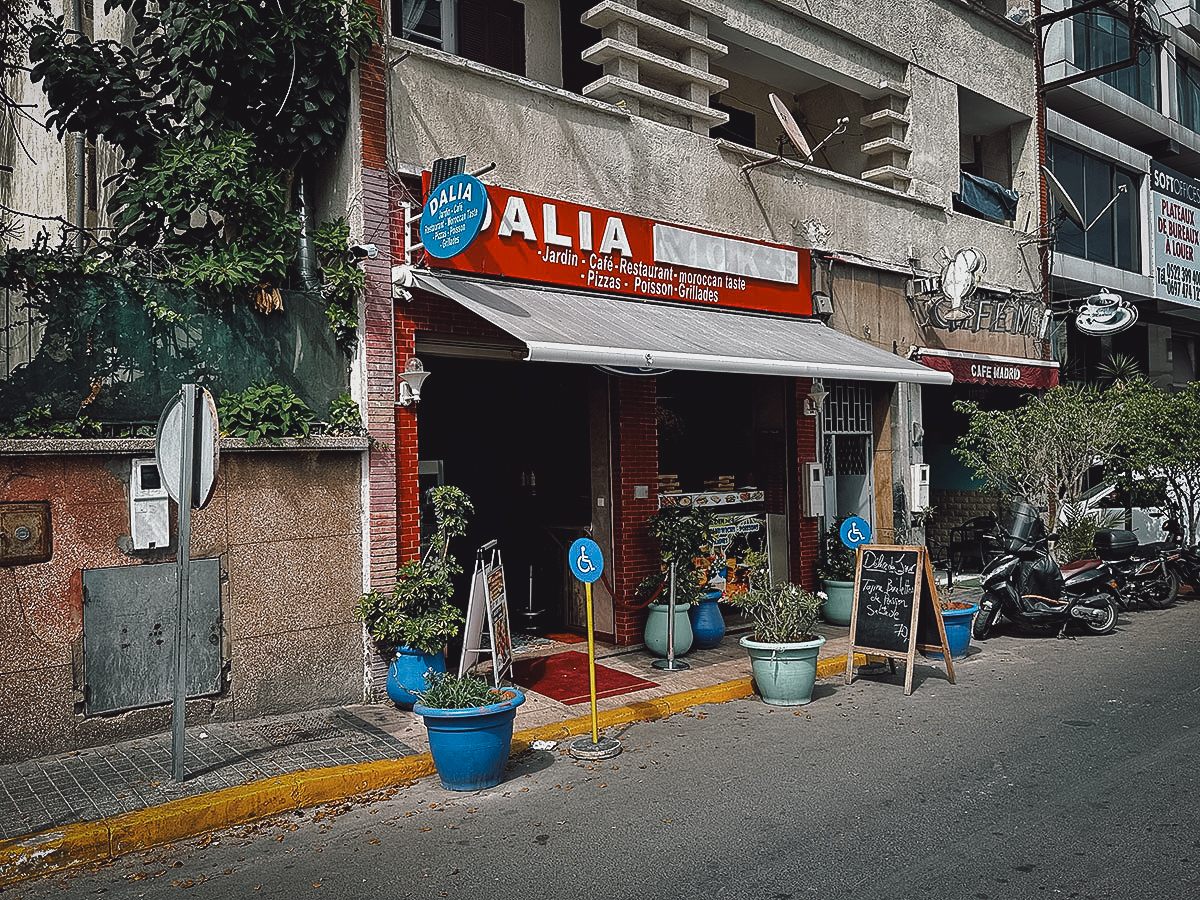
{"points": [[895, 611]]}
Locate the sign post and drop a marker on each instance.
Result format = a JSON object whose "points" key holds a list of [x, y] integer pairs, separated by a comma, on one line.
{"points": [[186, 455], [587, 564]]}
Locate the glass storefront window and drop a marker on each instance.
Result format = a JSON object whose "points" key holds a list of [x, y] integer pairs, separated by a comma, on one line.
{"points": [[1115, 238]]}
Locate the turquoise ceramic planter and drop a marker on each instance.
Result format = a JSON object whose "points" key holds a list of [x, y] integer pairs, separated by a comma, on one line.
{"points": [[839, 603], [784, 673], [708, 625], [958, 632], [470, 746], [407, 673], [656, 629]]}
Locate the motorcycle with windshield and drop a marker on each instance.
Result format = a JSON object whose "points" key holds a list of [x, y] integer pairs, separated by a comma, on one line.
{"points": [[1025, 585]]}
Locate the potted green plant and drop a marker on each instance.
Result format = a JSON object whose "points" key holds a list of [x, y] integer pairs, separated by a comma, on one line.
{"points": [[783, 647], [684, 538], [412, 622], [470, 727], [835, 568]]}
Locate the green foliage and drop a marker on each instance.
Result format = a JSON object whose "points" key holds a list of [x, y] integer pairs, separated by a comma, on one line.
{"points": [[1119, 369], [418, 611], [837, 562], [343, 280], [39, 422], [1077, 533], [213, 106], [264, 411], [444, 690], [345, 417], [782, 613], [1042, 450], [684, 537]]}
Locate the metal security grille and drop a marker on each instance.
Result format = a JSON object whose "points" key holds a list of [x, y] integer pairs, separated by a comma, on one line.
{"points": [[848, 408]]}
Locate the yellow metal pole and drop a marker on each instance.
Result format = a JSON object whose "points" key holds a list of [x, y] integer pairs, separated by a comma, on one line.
{"points": [[592, 664]]}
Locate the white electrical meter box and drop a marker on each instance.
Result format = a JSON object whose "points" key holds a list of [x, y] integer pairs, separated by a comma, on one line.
{"points": [[813, 494], [149, 514], [920, 487]]}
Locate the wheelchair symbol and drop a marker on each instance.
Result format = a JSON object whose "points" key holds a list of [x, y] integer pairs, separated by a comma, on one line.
{"points": [[854, 531], [586, 560]]}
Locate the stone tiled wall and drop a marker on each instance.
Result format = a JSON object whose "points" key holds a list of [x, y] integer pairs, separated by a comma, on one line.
{"points": [[952, 509], [286, 526]]}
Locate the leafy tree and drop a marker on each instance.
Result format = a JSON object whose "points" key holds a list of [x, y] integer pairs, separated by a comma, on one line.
{"points": [[1042, 450], [1162, 443], [213, 108]]}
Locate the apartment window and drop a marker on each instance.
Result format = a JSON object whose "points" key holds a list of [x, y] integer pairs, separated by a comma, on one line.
{"points": [[1115, 238], [491, 32], [1102, 38], [1189, 94]]}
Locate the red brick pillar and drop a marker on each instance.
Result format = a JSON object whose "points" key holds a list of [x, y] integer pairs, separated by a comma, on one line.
{"points": [[635, 462], [802, 529]]}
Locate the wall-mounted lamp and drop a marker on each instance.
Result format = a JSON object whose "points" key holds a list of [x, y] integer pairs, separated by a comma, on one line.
{"points": [[815, 401], [408, 385]]}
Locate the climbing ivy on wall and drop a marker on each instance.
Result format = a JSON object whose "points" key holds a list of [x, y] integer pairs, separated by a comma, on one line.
{"points": [[214, 109]]}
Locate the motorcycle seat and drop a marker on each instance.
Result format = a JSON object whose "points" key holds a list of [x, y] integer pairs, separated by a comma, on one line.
{"points": [[1080, 565]]}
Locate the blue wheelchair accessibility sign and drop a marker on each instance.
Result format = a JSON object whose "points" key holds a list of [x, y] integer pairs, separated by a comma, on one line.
{"points": [[585, 560], [854, 531]]}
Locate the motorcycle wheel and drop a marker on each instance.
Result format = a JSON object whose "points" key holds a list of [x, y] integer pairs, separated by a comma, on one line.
{"points": [[1164, 591], [985, 622], [1108, 624]]}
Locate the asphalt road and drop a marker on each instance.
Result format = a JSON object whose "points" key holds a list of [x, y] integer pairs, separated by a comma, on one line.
{"points": [[1051, 769]]}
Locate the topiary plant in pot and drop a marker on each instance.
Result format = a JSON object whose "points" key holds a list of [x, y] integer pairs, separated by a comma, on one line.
{"points": [[784, 645], [684, 539], [413, 621]]}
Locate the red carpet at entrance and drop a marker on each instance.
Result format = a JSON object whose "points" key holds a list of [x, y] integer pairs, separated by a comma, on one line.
{"points": [[564, 677]]}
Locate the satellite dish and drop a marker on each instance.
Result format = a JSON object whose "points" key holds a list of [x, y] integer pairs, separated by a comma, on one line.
{"points": [[1059, 193], [790, 127]]}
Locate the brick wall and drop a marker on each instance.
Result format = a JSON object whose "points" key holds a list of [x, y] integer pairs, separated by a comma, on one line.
{"points": [[802, 530], [635, 451]]}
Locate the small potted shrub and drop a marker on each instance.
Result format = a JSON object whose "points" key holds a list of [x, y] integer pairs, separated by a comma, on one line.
{"points": [[412, 622], [684, 537], [783, 647], [836, 571], [470, 727]]}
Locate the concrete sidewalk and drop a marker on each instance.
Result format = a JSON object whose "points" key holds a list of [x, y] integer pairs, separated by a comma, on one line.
{"points": [[92, 805]]}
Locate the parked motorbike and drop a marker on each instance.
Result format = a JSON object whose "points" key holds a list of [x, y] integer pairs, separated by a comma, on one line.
{"points": [[1025, 585], [1184, 559], [1145, 573]]}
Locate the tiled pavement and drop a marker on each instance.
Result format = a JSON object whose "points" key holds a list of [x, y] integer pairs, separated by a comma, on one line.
{"points": [[349, 748]]}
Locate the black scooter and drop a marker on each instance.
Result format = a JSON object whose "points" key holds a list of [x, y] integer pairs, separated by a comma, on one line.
{"points": [[1025, 585]]}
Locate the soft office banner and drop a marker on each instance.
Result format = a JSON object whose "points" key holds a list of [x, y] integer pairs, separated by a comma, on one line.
{"points": [[549, 241], [1175, 222]]}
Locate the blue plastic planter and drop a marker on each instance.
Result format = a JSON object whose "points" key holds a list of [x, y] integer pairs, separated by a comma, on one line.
{"points": [[708, 625], [407, 673], [958, 632], [470, 746]]}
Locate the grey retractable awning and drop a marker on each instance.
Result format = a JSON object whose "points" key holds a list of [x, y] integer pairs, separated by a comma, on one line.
{"points": [[598, 329]]}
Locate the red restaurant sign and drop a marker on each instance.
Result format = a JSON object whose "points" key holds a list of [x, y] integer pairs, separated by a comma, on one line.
{"points": [[539, 239], [998, 371]]}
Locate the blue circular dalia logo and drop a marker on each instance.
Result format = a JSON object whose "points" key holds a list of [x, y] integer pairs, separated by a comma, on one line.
{"points": [[453, 215]]}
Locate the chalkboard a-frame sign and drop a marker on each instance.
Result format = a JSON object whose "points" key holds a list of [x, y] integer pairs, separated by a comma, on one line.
{"points": [[896, 611]]}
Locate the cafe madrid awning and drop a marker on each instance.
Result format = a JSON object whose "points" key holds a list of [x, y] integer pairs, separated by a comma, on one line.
{"points": [[598, 329], [998, 371]]}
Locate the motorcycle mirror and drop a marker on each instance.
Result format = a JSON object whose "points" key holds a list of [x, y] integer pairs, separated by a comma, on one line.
{"points": [[1052, 536]]}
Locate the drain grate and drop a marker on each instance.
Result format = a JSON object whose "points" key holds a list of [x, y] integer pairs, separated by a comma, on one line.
{"points": [[309, 730]]}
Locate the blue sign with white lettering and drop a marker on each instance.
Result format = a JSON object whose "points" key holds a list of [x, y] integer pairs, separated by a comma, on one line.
{"points": [[586, 560], [453, 215], [854, 531]]}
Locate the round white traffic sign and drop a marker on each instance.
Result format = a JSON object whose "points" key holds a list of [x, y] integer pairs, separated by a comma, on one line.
{"points": [[169, 446]]}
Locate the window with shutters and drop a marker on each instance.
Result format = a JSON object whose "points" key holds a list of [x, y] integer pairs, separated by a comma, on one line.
{"points": [[491, 32]]}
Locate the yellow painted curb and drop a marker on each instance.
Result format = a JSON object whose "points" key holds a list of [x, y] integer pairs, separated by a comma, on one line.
{"points": [[94, 842]]}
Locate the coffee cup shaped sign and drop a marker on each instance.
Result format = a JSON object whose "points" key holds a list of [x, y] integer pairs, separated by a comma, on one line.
{"points": [[854, 531], [586, 560]]}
